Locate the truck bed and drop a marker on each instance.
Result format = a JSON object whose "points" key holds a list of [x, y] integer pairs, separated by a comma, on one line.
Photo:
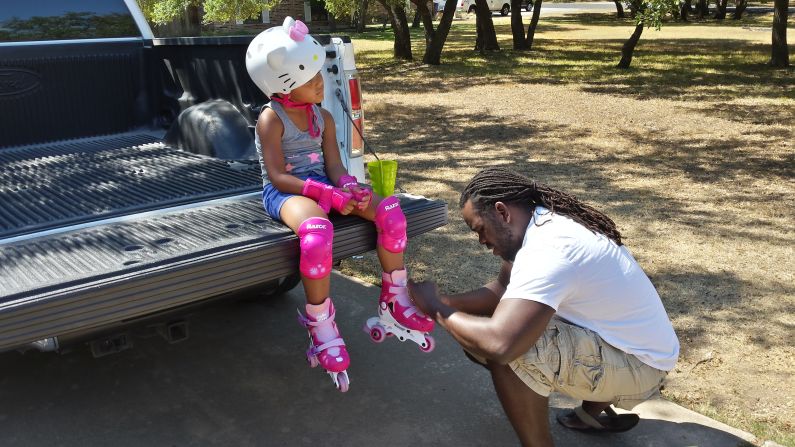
{"points": [[123, 227]]}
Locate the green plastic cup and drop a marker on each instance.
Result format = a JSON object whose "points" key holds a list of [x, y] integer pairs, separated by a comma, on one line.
{"points": [[383, 175]]}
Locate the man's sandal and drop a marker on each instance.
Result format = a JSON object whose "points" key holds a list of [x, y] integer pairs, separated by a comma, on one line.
{"points": [[613, 423]]}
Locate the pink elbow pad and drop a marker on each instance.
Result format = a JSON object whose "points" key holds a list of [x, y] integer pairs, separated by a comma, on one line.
{"points": [[391, 224], [317, 237]]}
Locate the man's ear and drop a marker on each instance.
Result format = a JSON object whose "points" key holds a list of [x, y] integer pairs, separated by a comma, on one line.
{"points": [[503, 211]]}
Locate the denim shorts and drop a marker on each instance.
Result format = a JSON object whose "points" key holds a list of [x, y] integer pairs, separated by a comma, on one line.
{"points": [[273, 199]]}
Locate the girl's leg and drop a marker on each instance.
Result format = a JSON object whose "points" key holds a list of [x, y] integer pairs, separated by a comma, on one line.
{"points": [[390, 261], [316, 234], [390, 222], [295, 211]]}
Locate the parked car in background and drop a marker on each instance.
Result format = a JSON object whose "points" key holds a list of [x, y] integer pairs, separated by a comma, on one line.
{"points": [[501, 6], [438, 7]]}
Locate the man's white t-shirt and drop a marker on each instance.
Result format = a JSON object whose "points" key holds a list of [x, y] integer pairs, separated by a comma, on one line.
{"points": [[594, 283]]}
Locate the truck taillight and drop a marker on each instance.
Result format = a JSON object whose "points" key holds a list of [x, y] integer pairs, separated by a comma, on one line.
{"points": [[356, 95], [357, 142]]}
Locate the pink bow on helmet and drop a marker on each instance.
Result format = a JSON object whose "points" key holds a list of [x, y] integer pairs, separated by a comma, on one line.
{"points": [[298, 31]]}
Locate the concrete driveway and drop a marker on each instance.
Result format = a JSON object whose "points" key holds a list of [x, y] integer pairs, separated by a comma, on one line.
{"points": [[241, 379]]}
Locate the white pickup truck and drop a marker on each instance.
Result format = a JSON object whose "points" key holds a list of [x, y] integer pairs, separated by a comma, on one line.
{"points": [[130, 190], [501, 6]]}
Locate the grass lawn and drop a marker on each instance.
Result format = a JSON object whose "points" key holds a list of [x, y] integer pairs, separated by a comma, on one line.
{"points": [[691, 152]]}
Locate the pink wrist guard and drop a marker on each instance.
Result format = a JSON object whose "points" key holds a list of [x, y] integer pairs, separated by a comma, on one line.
{"points": [[347, 181], [326, 196]]}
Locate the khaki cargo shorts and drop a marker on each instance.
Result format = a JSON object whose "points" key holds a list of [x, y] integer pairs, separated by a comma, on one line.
{"points": [[576, 362]]}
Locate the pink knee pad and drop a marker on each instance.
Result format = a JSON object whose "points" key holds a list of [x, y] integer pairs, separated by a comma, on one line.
{"points": [[317, 236], [391, 224]]}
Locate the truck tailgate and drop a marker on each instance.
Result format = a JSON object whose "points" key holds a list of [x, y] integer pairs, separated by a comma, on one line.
{"points": [[55, 282]]}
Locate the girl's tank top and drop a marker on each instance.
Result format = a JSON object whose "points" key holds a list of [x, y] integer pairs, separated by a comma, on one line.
{"points": [[303, 155]]}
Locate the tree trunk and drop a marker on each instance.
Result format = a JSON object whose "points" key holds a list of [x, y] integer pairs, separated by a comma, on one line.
{"points": [[487, 35], [629, 47], [702, 9], [517, 26], [332, 23], [531, 30], [416, 22], [619, 9], [193, 20], [400, 27], [686, 7], [779, 57], [427, 20], [721, 12], [433, 50], [739, 9], [361, 22]]}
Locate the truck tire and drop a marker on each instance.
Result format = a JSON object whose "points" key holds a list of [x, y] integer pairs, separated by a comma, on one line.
{"points": [[214, 128], [506, 9], [472, 9], [279, 287]]}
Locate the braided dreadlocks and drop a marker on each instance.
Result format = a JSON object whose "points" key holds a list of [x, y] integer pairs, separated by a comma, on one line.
{"points": [[497, 184]]}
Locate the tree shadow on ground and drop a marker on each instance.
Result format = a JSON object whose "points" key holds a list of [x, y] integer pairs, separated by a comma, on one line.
{"points": [[669, 69], [447, 148]]}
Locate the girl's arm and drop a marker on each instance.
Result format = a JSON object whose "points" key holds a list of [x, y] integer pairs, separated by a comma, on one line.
{"points": [[270, 130], [331, 152]]}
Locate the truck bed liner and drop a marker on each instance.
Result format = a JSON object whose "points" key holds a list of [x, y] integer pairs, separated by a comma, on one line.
{"points": [[67, 183]]}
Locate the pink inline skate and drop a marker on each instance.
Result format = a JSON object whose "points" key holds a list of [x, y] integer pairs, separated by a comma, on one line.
{"points": [[326, 347], [398, 316]]}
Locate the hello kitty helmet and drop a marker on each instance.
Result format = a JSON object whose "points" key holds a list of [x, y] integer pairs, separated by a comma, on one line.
{"points": [[284, 58]]}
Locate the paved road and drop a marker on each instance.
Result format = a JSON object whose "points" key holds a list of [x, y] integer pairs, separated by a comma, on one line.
{"points": [[549, 8], [241, 379]]}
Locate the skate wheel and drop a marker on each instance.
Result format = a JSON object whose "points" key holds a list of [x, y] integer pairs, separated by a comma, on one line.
{"points": [[377, 334], [429, 344], [342, 382]]}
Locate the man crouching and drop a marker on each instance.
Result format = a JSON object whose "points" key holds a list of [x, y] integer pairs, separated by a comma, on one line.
{"points": [[570, 311]]}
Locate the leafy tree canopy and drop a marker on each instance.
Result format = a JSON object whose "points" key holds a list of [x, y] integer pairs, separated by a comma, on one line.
{"points": [[164, 11], [652, 12]]}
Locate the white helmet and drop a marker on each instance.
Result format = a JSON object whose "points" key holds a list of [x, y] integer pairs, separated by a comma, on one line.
{"points": [[284, 58]]}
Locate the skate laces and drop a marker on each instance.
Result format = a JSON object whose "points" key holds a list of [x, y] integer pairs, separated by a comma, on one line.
{"points": [[314, 130]]}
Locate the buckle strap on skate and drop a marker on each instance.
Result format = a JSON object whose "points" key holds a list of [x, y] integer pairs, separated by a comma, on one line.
{"points": [[337, 342], [306, 322]]}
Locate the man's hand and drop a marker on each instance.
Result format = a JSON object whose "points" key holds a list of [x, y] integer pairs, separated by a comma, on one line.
{"points": [[426, 296]]}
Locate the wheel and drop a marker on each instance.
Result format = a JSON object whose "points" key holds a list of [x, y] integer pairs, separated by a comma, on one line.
{"points": [[529, 7], [342, 382], [471, 9], [430, 343], [377, 334], [506, 9], [278, 287]]}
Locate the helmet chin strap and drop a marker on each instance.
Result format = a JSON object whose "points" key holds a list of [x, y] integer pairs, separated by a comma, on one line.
{"points": [[314, 131]]}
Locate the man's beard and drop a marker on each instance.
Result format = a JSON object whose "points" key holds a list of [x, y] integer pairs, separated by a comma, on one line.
{"points": [[508, 249]]}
